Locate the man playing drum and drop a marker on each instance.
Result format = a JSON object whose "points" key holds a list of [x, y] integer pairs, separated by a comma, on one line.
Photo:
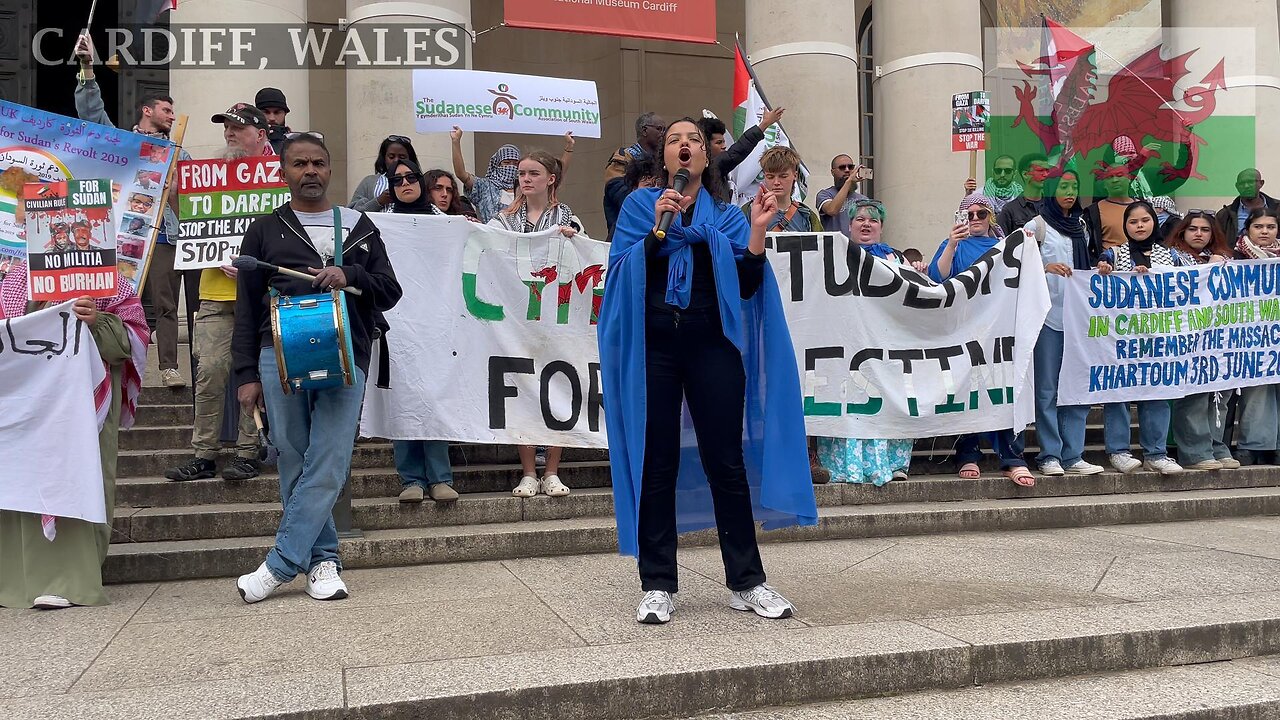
{"points": [[314, 429]]}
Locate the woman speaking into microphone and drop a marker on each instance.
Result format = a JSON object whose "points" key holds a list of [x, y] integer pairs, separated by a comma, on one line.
{"points": [[692, 318]]}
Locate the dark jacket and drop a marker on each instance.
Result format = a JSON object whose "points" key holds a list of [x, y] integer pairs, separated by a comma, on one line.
{"points": [[1229, 216], [279, 239], [1017, 213], [740, 150], [616, 191], [1093, 226], [276, 135]]}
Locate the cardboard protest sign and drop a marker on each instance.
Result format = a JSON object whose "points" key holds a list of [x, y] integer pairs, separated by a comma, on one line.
{"points": [[71, 240], [969, 113], [218, 200], [38, 146], [1170, 333]]}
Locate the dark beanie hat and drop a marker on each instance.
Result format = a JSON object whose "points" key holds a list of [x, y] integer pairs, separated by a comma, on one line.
{"points": [[270, 97]]}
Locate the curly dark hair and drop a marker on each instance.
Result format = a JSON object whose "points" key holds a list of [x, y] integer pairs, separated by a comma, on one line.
{"points": [[455, 202], [711, 180]]}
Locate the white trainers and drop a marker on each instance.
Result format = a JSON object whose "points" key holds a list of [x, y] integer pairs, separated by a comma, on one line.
{"points": [[1229, 463], [656, 607], [51, 602], [323, 582], [1125, 463], [1164, 466], [527, 488], [552, 486], [764, 600], [1051, 468], [257, 585], [1207, 465], [172, 378], [1083, 467]]}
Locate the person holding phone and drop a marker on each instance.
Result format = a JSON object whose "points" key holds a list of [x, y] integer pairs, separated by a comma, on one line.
{"points": [[835, 202]]}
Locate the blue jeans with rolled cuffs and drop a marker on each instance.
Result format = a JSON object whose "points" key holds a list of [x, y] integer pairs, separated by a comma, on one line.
{"points": [[1199, 423], [315, 432], [1153, 428], [1059, 430], [423, 462]]}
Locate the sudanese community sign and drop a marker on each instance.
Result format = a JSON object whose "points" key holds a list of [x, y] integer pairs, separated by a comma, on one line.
{"points": [[1171, 332], [884, 352], [218, 200], [37, 146], [503, 102], [71, 240]]}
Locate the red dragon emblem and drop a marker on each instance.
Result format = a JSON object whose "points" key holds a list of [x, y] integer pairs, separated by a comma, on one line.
{"points": [[1140, 105]]}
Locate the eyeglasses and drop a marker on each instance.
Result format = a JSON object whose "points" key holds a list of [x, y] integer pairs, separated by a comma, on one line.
{"points": [[406, 179], [442, 186], [979, 214], [399, 139], [850, 166], [308, 133], [143, 201]]}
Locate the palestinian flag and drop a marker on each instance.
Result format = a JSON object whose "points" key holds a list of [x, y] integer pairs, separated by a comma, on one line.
{"points": [[749, 106]]}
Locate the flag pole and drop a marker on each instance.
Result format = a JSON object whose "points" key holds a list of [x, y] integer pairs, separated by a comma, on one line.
{"points": [[755, 82]]}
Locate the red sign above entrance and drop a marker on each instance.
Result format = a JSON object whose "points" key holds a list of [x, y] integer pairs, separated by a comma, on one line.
{"points": [[686, 20]]}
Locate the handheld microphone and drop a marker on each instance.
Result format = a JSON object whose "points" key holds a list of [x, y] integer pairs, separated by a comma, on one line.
{"points": [[249, 262], [677, 183]]}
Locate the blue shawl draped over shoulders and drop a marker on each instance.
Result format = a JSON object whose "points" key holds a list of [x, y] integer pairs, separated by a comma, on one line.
{"points": [[774, 448]]}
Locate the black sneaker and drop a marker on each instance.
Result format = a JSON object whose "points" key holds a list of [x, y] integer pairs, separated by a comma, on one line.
{"points": [[240, 469], [196, 469]]}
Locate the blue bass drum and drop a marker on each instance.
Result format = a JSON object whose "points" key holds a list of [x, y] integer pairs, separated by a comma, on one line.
{"points": [[313, 341]]}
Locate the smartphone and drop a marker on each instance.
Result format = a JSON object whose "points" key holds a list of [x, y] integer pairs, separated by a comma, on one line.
{"points": [[865, 173], [962, 218]]}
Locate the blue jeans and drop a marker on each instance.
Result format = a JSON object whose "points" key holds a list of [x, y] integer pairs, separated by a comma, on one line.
{"points": [[1007, 445], [315, 432], [1059, 430], [1153, 428], [1198, 427], [423, 462], [1259, 418]]}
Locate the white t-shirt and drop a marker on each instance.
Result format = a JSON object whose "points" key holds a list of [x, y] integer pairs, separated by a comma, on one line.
{"points": [[319, 228]]}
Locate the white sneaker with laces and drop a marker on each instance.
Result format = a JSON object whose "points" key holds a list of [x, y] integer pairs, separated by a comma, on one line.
{"points": [[1164, 466], [51, 602], [1083, 467], [527, 488], [1229, 463], [1050, 468], [764, 600], [1206, 465], [172, 378], [324, 583], [1125, 463], [552, 486], [257, 585], [656, 607]]}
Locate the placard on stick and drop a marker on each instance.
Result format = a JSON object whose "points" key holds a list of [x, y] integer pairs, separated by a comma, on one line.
{"points": [[71, 239]]}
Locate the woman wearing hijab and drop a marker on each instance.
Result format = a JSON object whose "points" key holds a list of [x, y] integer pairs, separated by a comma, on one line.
{"points": [[968, 242], [873, 460], [373, 194], [50, 563], [1064, 247], [694, 319], [1139, 253]]}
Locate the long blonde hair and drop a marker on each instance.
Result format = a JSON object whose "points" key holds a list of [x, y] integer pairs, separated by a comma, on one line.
{"points": [[554, 168]]}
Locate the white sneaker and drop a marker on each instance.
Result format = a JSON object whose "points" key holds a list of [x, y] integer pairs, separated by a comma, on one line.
{"points": [[527, 488], [1164, 466], [323, 582], [764, 600], [552, 486], [1083, 467], [1229, 463], [1207, 465], [257, 585], [51, 602], [1050, 468], [656, 607], [1125, 463], [172, 378]]}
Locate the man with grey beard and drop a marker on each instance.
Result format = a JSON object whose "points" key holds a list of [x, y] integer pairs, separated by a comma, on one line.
{"points": [[244, 128]]}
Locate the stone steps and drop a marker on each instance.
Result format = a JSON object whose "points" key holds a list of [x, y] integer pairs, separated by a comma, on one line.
{"points": [[554, 534]]}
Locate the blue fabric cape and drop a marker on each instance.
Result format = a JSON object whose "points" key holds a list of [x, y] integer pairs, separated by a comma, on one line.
{"points": [[967, 253], [777, 470]]}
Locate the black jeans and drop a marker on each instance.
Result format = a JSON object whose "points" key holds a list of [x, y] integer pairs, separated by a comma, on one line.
{"points": [[689, 358]]}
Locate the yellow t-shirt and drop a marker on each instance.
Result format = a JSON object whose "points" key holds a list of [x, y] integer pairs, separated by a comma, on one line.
{"points": [[1112, 216], [215, 285]]}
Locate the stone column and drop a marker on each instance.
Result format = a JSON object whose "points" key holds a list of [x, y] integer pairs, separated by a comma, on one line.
{"points": [[380, 100], [924, 53], [1244, 33], [201, 93], [805, 54]]}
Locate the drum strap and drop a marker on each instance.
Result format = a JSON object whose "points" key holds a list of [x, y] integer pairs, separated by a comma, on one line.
{"points": [[337, 236]]}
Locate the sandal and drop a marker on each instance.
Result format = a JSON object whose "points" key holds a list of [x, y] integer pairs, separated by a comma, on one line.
{"points": [[1021, 477], [970, 471]]}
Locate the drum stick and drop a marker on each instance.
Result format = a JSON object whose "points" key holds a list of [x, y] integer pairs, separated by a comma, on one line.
{"points": [[249, 262]]}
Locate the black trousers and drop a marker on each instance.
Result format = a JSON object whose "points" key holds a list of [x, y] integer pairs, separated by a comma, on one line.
{"points": [[689, 358]]}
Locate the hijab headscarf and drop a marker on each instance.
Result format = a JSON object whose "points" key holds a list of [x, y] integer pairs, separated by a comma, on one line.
{"points": [[1140, 250], [421, 206], [486, 194], [1069, 224]]}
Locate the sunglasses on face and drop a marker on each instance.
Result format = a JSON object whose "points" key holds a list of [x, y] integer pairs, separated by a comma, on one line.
{"points": [[307, 133], [979, 214], [844, 168], [1002, 171], [406, 179]]}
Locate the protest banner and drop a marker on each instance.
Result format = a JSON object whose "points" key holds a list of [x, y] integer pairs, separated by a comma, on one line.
{"points": [[71, 240], [504, 102], [217, 201], [495, 340], [689, 21], [884, 352], [1170, 333], [37, 146], [49, 370]]}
